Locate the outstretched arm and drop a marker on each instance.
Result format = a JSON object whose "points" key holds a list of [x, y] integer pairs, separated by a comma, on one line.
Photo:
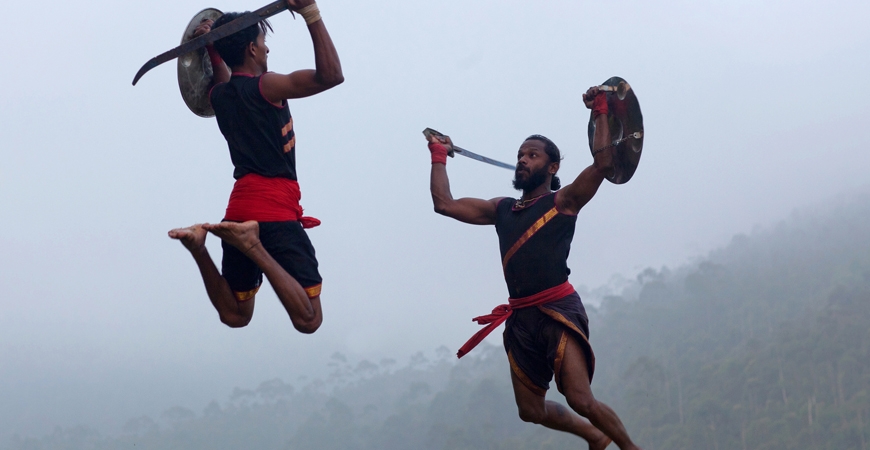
{"points": [[475, 211], [305, 83], [573, 197]]}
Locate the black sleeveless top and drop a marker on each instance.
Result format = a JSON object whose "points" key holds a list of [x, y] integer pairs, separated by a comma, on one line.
{"points": [[542, 261], [260, 135]]}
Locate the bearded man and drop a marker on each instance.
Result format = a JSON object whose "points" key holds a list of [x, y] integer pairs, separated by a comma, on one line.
{"points": [[262, 231], [546, 327]]}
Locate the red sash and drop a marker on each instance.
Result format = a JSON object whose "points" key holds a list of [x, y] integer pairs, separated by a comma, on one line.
{"points": [[266, 199], [502, 312]]}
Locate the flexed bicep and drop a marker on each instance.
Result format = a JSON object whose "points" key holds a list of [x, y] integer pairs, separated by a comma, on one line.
{"points": [[475, 211], [327, 71], [299, 84]]}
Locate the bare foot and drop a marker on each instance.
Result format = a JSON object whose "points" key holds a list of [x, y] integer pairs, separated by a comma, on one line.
{"points": [[600, 444], [193, 237], [243, 236]]}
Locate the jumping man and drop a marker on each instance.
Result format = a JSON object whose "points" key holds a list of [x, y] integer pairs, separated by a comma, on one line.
{"points": [[262, 231], [546, 327]]}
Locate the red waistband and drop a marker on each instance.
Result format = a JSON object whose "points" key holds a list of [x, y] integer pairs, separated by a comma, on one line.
{"points": [[502, 312], [266, 199]]}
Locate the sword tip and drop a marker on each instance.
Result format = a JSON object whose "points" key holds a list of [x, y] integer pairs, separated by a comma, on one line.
{"points": [[148, 66]]}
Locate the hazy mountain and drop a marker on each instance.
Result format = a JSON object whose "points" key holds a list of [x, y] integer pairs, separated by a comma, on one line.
{"points": [[763, 344]]}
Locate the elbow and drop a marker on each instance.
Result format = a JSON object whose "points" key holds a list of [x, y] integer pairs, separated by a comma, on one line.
{"points": [[331, 80], [308, 326], [235, 320], [442, 202], [442, 208]]}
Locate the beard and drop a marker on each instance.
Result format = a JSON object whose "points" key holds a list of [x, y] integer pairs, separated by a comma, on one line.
{"points": [[531, 181]]}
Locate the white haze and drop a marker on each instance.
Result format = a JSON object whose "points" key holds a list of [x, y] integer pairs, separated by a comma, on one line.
{"points": [[752, 109]]}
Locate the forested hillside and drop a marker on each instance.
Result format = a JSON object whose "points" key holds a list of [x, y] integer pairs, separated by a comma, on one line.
{"points": [[764, 344]]}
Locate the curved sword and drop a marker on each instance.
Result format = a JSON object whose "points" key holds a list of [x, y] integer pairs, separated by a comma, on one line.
{"points": [[246, 20], [428, 131]]}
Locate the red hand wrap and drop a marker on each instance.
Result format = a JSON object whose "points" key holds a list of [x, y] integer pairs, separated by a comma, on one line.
{"points": [[439, 153], [599, 105], [213, 56]]}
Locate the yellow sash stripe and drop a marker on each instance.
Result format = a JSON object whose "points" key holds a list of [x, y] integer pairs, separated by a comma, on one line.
{"points": [[560, 356], [527, 382], [313, 291], [245, 296], [585, 343], [529, 233]]}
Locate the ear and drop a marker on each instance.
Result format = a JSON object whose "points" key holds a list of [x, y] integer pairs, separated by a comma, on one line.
{"points": [[554, 167]]}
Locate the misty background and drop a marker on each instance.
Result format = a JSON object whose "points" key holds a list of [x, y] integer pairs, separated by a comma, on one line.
{"points": [[753, 110]]}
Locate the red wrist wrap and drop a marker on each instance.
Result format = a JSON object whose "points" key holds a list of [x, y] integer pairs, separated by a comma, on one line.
{"points": [[213, 56], [599, 105], [439, 153]]}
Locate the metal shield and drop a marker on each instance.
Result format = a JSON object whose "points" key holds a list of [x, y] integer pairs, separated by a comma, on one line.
{"points": [[625, 119], [194, 69]]}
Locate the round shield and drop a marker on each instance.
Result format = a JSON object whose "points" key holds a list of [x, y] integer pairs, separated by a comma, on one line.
{"points": [[194, 69], [626, 129]]}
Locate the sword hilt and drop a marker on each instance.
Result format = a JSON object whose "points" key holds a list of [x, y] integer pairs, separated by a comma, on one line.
{"points": [[450, 150]]}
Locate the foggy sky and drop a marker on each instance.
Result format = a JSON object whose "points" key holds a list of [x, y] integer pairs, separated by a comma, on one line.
{"points": [[751, 109]]}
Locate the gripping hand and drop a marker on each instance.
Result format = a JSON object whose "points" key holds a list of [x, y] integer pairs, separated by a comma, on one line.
{"points": [[596, 101], [438, 148]]}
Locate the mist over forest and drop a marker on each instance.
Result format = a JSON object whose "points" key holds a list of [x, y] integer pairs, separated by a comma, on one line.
{"points": [[762, 344]]}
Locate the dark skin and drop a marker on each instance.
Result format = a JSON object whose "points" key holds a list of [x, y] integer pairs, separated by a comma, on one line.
{"points": [[603, 426], [305, 313], [301, 83], [530, 158]]}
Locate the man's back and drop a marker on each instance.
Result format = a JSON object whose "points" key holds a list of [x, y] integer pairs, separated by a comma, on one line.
{"points": [[259, 133]]}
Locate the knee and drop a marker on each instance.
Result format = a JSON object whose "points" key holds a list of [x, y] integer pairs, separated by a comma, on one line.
{"points": [[307, 326], [582, 403], [235, 320], [531, 415]]}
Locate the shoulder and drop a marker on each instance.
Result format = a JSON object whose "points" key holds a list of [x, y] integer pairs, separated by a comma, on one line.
{"points": [[501, 202], [217, 89], [503, 206], [561, 208], [266, 78]]}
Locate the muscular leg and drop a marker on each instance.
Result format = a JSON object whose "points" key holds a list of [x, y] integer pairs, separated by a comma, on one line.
{"points": [[305, 313], [536, 409], [575, 386], [231, 311]]}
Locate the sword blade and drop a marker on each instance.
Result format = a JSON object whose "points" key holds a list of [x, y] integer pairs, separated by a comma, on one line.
{"points": [[482, 158], [239, 24]]}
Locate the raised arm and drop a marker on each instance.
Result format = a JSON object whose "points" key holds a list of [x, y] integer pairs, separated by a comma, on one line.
{"points": [[221, 73], [573, 197], [475, 211], [304, 83]]}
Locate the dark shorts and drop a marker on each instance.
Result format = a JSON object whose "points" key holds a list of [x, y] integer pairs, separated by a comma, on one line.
{"points": [[535, 340], [288, 243]]}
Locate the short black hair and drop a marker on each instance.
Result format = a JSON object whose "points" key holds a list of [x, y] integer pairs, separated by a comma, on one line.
{"points": [[553, 153], [232, 48]]}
